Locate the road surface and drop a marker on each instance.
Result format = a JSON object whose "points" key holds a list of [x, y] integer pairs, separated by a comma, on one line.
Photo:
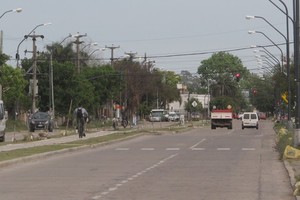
{"points": [[201, 164]]}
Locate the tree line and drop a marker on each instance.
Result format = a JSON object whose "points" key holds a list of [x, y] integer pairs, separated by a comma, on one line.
{"points": [[137, 86]]}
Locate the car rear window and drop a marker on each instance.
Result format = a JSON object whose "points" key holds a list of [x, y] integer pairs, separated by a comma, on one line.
{"points": [[246, 116], [253, 116]]}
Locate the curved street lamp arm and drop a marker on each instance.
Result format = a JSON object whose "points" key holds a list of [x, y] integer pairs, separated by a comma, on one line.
{"points": [[272, 27], [5, 13], [272, 42], [13, 10], [284, 12], [25, 37], [271, 55]]}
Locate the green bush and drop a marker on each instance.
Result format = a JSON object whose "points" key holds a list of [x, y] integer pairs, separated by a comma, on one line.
{"points": [[284, 138]]}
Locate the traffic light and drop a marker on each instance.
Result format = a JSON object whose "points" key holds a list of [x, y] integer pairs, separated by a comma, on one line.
{"points": [[254, 91], [237, 77]]}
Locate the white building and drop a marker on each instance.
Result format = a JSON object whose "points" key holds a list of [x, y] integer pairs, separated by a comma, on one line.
{"points": [[176, 106]]}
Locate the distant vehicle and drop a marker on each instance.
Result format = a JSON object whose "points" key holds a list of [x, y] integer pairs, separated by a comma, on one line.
{"points": [[40, 121], [221, 118], [195, 115], [173, 116], [158, 115], [250, 120], [3, 119], [262, 115], [240, 115]]}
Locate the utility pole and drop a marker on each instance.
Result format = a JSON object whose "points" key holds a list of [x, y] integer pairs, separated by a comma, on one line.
{"points": [[112, 48], [131, 55], [78, 42], [297, 71], [34, 66]]}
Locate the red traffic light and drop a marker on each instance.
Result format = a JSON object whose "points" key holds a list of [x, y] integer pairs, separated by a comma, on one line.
{"points": [[237, 77]]}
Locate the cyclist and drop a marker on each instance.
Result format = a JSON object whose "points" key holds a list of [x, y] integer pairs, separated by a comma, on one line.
{"points": [[81, 118]]}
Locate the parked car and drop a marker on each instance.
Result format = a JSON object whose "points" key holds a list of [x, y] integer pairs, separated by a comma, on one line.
{"points": [[40, 121], [195, 115], [173, 116]]}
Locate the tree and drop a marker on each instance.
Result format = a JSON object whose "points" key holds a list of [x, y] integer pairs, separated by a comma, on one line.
{"points": [[13, 86], [189, 107], [194, 83], [219, 71]]}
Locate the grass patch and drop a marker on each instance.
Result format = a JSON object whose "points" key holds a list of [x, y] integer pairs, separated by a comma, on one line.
{"points": [[9, 155], [13, 154]]}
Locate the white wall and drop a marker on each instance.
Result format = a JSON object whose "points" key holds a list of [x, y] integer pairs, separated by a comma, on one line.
{"points": [[177, 107]]}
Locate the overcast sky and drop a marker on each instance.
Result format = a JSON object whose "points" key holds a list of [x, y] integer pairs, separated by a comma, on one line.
{"points": [[155, 27]]}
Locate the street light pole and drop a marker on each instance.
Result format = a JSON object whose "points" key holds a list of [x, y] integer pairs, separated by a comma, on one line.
{"points": [[253, 32], [267, 52], [25, 37], [77, 42], [13, 10], [287, 40], [297, 57], [112, 48]]}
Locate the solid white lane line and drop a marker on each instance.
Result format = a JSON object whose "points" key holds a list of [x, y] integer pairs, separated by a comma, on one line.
{"points": [[121, 183], [194, 146]]}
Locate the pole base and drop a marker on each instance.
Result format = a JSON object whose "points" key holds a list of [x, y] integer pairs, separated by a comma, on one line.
{"points": [[296, 137]]}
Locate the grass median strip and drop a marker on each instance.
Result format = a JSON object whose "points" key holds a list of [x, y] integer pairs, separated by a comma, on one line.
{"points": [[18, 153]]}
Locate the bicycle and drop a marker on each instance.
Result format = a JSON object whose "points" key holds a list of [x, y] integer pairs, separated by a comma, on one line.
{"points": [[124, 122], [80, 127], [115, 123]]}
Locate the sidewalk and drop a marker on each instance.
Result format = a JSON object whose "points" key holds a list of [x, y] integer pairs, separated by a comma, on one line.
{"points": [[70, 138], [51, 141]]}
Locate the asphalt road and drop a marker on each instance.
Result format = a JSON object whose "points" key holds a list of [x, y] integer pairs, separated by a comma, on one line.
{"points": [[201, 164]]}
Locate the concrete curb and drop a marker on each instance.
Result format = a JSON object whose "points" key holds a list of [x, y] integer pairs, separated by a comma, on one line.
{"points": [[291, 174]]}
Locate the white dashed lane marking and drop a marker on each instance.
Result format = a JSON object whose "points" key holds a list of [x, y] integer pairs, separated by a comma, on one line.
{"points": [[147, 149], [248, 149], [223, 149], [172, 149]]}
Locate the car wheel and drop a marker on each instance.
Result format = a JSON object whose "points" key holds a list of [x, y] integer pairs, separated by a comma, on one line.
{"points": [[243, 127], [2, 139], [31, 129]]}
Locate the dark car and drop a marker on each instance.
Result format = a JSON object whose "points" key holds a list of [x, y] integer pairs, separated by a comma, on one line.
{"points": [[40, 121]]}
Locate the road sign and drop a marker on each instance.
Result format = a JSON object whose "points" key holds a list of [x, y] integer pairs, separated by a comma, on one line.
{"points": [[194, 104]]}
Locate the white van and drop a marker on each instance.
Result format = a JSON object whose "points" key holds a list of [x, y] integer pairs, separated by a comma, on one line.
{"points": [[250, 120], [3, 119]]}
